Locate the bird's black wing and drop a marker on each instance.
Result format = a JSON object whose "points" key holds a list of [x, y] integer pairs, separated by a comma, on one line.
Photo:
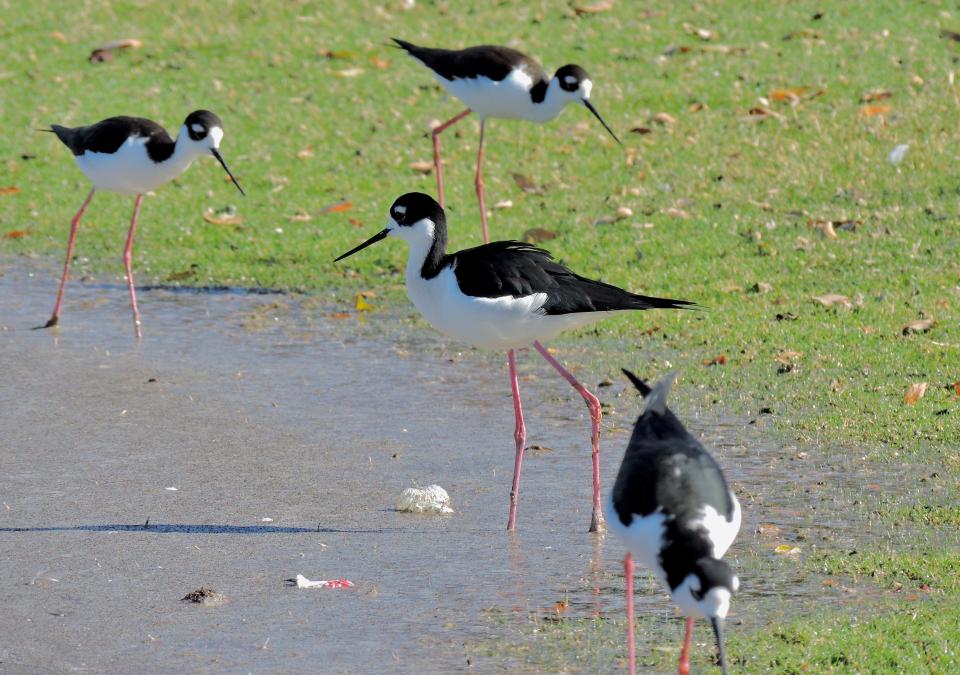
{"points": [[488, 61], [108, 135], [665, 467], [518, 269]]}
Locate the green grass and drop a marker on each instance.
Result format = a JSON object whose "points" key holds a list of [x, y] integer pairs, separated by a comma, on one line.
{"points": [[722, 199]]}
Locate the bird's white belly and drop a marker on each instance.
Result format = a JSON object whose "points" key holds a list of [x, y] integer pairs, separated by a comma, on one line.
{"points": [[643, 537], [509, 98], [490, 323], [129, 170]]}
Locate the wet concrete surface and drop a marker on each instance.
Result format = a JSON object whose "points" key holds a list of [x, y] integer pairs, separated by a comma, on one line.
{"points": [[259, 407]]}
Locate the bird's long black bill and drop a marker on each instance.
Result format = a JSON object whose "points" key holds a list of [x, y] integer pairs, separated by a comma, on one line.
{"points": [[718, 632], [597, 115], [219, 157], [382, 234]]}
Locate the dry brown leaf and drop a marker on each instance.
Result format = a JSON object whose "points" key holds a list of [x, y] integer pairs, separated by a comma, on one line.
{"points": [[339, 207], [378, 62], [181, 276], [918, 326], [58, 36], [786, 549], [876, 95], [720, 360], [875, 109], [697, 107], [300, 216], [422, 167], [305, 153], [790, 95], [956, 387], [537, 234], [341, 54], [16, 234], [9, 190], [643, 131], [125, 43], [222, 217], [950, 35], [666, 119], [824, 227], [831, 299], [768, 530], [786, 357], [348, 72], [527, 185], [340, 315], [674, 212], [915, 392], [504, 204], [594, 8]]}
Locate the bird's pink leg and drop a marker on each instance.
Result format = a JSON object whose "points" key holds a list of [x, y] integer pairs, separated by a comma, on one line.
{"points": [[74, 226], [436, 150], [631, 653], [596, 520], [127, 263], [520, 436], [478, 183], [684, 667]]}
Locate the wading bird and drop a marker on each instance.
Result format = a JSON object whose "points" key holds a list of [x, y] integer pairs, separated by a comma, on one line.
{"points": [[132, 155], [500, 82], [672, 509], [504, 295]]}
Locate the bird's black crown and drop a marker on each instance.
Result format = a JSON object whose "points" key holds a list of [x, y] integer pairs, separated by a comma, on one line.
{"points": [[415, 206], [570, 77], [714, 573], [199, 123]]}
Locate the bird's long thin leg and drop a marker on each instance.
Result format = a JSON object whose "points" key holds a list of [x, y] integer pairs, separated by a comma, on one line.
{"points": [[631, 653], [478, 183], [436, 150], [684, 667], [74, 227], [596, 520], [520, 436], [127, 263]]}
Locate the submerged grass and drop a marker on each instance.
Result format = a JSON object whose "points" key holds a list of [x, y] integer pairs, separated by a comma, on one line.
{"points": [[764, 186]]}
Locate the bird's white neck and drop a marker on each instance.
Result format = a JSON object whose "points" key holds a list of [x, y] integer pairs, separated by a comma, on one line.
{"points": [[184, 152], [421, 238], [555, 100]]}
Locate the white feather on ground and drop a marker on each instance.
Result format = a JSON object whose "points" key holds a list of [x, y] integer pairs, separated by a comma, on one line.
{"points": [[431, 499]]}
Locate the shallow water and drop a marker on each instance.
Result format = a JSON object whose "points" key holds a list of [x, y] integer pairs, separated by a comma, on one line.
{"points": [[262, 407]]}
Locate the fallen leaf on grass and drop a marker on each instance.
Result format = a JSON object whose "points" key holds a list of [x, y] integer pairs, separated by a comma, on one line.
{"points": [[378, 62], [341, 54], [227, 216], [759, 114], [16, 234], [674, 212], [915, 392], [348, 72], [702, 33], [180, 276], [831, 299], [340, 315], [9, 190], [527, 185], [786, 357], [956, 387], [918, 326], [595, 8], [768, 530], [504, 204], [300, 216], [786, 549], [664, 119], [824, 227], [305, 153], [105, 52], [361, 303], [537, 234], [339, 207], [876, 95], [58, 36], [422, 167], [697, 107], [643, 131], [561, 606], [875, 109], [720, 360], [789, 95], [950, 35]]}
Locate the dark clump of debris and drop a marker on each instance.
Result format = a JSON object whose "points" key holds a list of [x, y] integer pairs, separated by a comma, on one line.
{"points": [[204, 596]]}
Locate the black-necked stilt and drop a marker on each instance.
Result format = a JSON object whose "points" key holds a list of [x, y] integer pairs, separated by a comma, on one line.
{"points": [[132, 155], [504, 295], [672, 508], [500, 82]]}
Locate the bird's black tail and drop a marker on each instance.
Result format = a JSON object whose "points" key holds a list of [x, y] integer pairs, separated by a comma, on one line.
{"points": [[650, 302], [408, 47], [657, 394]]}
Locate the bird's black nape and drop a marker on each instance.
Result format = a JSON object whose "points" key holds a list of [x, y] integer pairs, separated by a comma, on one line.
{"points": [[637, 382], [415, 206]]}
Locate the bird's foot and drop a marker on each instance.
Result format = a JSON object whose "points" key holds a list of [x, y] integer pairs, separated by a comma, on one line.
{"points": [[54, 320], [597, 523]]}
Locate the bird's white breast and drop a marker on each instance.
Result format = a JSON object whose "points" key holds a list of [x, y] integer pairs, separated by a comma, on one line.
{"points": [[129, 170], [509, 98], [492, 323], [643, 537]]}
